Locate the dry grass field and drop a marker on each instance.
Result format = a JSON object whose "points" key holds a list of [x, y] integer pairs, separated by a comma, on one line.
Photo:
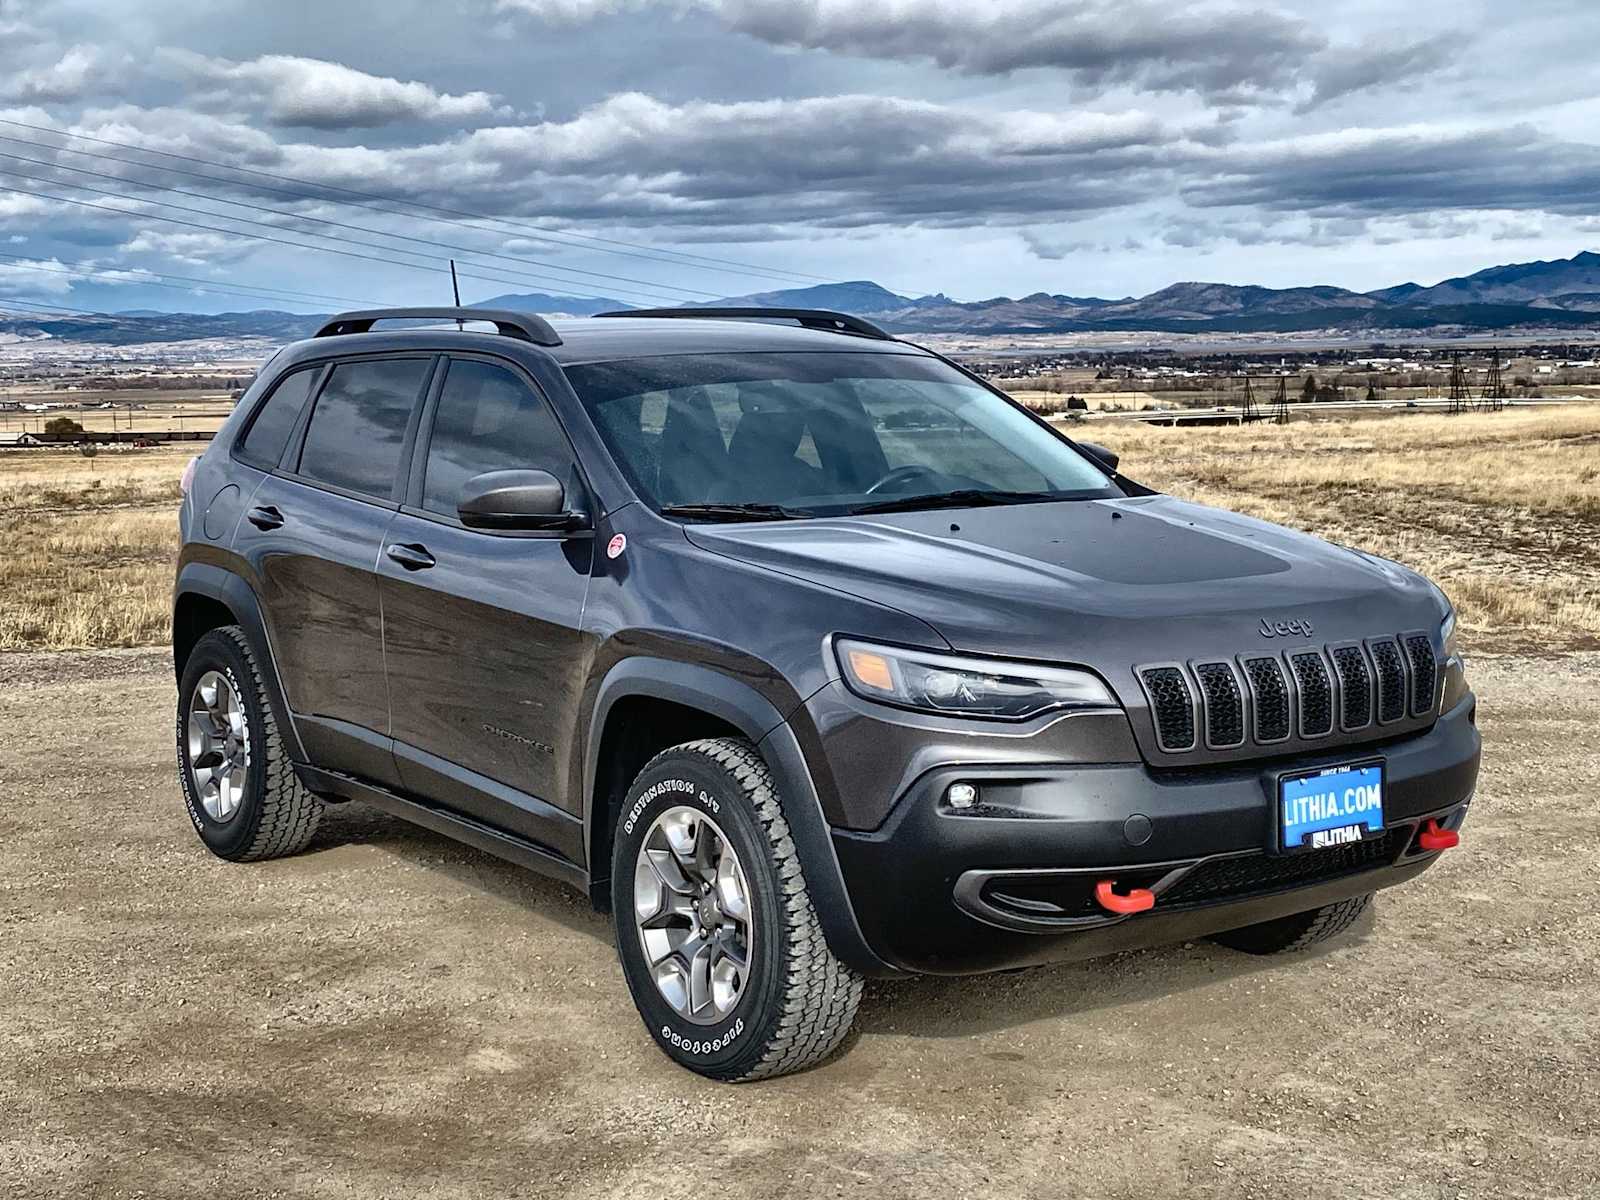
{"points": [[89, 544], [1502, 509]]}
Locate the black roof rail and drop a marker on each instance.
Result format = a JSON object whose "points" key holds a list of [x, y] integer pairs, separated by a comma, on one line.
{"points": [[524, 326], [810, 318]]}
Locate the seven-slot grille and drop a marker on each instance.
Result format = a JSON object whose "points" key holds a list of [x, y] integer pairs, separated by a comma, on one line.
{"points": [[1311, 693]]}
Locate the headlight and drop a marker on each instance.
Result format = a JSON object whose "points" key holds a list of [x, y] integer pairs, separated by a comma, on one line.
{"points": [[1447, 631], [1455, 667], [965, 687]]}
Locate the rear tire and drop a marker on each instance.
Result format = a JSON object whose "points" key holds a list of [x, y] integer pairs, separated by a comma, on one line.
{"points": [[1297, 931], [703, 864], [241, 791]]}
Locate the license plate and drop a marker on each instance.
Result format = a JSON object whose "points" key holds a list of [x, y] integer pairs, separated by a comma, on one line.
{"points": [[1332, 807]]}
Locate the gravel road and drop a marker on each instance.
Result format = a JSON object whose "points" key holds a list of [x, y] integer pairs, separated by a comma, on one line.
{"points": [[392, 1015]]}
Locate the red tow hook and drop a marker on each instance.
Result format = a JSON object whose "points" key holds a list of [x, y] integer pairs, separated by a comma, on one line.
{"points": [[1434, 838], [1137, 900]]}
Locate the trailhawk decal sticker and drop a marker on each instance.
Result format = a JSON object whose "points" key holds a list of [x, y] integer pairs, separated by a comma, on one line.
{"points": [[656, 790]]}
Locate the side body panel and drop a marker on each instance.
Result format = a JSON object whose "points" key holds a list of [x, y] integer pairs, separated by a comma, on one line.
{"points": [[486, 666], [316, 579]]}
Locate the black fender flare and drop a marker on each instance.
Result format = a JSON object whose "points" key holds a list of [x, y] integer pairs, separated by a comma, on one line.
{"points": [[225, 587], [741, 706]]}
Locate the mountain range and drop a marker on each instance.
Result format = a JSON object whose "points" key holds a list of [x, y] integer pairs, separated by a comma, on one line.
{"points": [[1555, 295]]}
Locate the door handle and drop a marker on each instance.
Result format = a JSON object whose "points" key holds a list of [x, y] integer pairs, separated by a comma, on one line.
{"points": [[410, 555], [265, 516]]}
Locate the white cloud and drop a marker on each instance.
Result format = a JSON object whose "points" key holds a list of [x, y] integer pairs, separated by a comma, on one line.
{"points": [[40, 277], [193, 248], [325, 95], [79, 71]]}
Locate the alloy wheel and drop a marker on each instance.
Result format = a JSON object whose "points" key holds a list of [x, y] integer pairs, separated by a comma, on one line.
{"points": [[692, 908], [219, 746]]}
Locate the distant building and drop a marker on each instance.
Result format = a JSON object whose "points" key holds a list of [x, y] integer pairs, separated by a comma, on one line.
{"points": [[11, 441]]}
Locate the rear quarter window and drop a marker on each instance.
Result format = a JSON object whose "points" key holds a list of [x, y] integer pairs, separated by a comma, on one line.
{"points": [[269, 431]]}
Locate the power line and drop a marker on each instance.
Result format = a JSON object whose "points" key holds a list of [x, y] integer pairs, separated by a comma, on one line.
{"points": [[519, 277], [254, 292], [293, 216], [553, 237]]}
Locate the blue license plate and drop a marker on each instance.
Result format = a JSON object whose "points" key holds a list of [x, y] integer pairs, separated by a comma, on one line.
{"points": [[1330, 807]]}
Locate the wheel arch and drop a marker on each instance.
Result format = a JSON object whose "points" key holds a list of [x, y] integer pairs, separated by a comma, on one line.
{"points": [[206, 597], [714, 704]]}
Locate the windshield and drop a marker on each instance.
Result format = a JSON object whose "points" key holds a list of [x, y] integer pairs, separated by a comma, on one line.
{"points": [[787, 435]]}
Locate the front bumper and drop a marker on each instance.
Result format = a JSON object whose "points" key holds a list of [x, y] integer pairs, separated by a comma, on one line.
{"points": [[1010, 883]]}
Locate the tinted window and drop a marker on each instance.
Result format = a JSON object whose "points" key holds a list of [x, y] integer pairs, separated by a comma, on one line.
{"points": [[269, 432], [488, 420], [359, 423]]}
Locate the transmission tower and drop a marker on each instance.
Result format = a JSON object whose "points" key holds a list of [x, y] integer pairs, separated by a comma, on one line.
{"points": [[1248, 411], [1458, 384], [1494, 388], [1280, 402]]}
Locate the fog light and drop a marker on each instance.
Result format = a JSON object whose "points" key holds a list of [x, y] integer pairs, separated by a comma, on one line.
{"points": [[961, 795]]}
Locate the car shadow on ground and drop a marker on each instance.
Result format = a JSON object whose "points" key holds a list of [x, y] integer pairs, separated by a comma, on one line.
{"points": [[920, 1006], [356, 824]]}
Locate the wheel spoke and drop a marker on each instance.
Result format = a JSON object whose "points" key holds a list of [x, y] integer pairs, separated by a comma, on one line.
{"points": [[675, 912], [731, 889], [697, 953], [670, 872]]}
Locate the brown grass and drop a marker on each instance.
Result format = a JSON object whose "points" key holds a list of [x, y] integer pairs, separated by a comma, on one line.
{"points": [[86, 547], [1503, 510]]}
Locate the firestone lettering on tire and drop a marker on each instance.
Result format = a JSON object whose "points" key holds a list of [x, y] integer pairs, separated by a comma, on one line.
{"points": [[660, 789], [703, 1045]]}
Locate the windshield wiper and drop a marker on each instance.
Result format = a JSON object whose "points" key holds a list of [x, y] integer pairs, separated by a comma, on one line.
{"points": [[735, 512], [961, 498]]}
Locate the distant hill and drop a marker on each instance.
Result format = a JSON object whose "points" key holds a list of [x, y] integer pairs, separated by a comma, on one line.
{"points": [[1563, 294], [552, 306]]}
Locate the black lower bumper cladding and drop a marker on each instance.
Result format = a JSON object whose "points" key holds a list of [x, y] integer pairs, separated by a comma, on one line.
{"points": [[1074, 862]]}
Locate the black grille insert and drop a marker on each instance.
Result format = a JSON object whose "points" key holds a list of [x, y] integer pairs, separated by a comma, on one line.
{"points": [[1424, 673], [1391, 680], [1355, 687], [1316, 694], [1171, 706], [1223, 703], [1232, 878], [1271, 695]]}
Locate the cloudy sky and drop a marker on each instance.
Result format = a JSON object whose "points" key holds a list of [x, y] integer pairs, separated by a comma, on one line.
{"points": [[225, 154]]}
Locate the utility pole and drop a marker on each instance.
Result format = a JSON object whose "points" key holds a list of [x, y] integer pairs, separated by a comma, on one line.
{"points": [[1280, 402], [1494, 388], [1458, 384]]}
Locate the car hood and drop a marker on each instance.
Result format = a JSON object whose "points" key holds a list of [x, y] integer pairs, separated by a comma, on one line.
{"points": [[1107, 583]]}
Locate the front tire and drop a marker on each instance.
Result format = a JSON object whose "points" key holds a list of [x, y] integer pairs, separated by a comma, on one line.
{"points": [[241, 791], [719, 942], [1298, 930]]}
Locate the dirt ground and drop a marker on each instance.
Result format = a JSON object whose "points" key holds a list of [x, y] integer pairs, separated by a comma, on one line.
{"points": [[393, 1015]]}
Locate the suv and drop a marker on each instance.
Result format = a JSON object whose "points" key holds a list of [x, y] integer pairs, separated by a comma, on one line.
{"points": [[802, 650]]}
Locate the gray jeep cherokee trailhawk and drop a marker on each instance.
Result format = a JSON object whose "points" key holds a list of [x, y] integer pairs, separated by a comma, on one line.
{"points": [[806, 653]]}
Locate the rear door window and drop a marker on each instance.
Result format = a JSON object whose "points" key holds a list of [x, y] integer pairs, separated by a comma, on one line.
{"points": [[275, 420], [488, 419], [358, 426]]}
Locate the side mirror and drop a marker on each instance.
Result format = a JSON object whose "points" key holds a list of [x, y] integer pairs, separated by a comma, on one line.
{"points": [[517, 500], [1107, 457]]}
